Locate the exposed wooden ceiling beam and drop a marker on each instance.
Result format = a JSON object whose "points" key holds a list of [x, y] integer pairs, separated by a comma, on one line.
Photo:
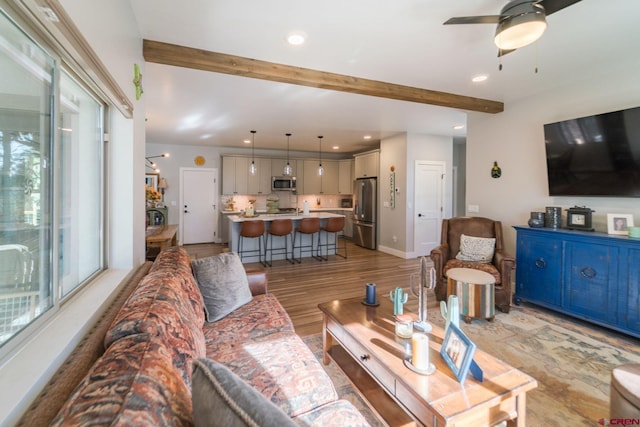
{"points": [[199, 59]]}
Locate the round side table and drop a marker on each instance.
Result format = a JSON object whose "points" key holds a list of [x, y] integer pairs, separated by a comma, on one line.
{"points": [[475, 290]]}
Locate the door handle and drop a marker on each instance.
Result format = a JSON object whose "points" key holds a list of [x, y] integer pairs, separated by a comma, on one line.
{"points": [[419, 215]]}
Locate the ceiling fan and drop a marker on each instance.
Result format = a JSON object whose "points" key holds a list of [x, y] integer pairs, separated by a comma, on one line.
{"points": [[521, 22]]}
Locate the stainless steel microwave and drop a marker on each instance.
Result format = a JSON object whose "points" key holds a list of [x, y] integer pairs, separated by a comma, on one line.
{"points": [[283, 183]]}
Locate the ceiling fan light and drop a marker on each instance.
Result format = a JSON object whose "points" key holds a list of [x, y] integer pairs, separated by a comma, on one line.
{"points": [[520, 30]]}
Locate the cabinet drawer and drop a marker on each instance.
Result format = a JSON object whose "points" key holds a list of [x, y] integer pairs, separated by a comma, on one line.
{"points": [[363, 357]]}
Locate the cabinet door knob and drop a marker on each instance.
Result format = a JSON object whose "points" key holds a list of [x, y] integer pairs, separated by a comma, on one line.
{"points": [[541, 263], [588, 273], [364, 357]]}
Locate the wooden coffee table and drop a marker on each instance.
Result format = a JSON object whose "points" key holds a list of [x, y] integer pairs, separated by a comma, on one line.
{"points": [[367, 335]]}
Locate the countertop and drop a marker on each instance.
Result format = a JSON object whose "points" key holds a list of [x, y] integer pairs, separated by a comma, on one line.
{"points": [[262, 212], [271, 217]]}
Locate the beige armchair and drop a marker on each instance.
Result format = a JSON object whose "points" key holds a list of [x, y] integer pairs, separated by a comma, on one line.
{"points": [[444, 256]]}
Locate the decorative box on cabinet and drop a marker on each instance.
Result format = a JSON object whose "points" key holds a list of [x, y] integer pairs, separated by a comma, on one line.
{"points": [[590, 275]]}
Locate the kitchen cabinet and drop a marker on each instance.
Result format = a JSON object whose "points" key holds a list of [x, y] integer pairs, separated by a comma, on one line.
{"points": [[312, 183], [277, 167], [345, 176], [367, 164], [590, 275], [235, 171], [260, 183], [316, 184], [299, 175], [330, 179], [224, 226]]}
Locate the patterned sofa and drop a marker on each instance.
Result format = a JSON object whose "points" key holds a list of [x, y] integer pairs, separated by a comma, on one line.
{"points": [[145, 376]]}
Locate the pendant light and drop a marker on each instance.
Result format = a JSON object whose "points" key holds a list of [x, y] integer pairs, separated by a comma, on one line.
{"points": [[288, 170], [320, 168], [252, 167]]}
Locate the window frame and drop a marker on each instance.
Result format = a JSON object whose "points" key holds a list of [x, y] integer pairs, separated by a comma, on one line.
{"points": [[62, 64]]}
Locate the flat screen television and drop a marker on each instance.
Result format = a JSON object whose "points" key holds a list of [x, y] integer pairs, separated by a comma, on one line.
{"points": [[596, 156]]}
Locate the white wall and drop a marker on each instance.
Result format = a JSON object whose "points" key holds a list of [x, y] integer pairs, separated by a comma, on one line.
{"points": [[392, 221], [515, 138], [402, 151]]}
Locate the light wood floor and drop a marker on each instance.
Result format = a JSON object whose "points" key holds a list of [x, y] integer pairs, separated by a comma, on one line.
{"points": [[301, 287]]}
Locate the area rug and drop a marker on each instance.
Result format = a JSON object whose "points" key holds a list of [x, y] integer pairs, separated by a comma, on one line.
{"points": [[570, 359]]}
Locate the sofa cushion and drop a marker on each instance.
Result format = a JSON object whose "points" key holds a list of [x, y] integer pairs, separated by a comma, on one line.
{"points": [[282, 368], [335, 414], [161, 308], [223, 284], [477, 249], [262, 316], [133, 383], [221, 398]]}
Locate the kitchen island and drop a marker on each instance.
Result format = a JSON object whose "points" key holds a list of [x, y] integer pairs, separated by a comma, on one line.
{"points": [[235, 222]]}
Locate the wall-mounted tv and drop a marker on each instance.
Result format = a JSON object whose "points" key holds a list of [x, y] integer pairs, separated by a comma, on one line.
{"points": [[596, 156]]}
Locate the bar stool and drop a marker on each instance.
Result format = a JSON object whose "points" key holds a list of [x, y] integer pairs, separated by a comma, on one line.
{"points": [[307, 226], [333, 226], [251, 230], [278, 228]]}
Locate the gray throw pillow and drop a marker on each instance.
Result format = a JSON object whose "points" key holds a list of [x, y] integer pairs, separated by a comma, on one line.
{"points": [[221, 398], [223, 284]]}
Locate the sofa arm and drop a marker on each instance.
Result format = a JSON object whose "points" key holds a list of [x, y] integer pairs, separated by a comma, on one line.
{"points": [[257, 282]]}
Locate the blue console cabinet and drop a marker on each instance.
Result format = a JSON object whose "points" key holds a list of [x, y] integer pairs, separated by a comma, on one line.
{"points": [[590, 275]]}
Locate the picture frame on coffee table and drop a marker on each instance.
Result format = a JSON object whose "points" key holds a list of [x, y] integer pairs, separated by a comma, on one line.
{"points": [[619, 223], [457, 350]]}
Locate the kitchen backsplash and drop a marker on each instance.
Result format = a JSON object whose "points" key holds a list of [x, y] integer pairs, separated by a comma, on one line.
{"points": [[286, 200]]}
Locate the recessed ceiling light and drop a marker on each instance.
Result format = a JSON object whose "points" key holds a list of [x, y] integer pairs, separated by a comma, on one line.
{"points": [[296, 39], [479, 78], [336, 147], [247, 141], [458, 127], [367, 137]]}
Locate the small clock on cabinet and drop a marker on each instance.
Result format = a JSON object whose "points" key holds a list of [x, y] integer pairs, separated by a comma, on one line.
{"points": [[579, 218]]}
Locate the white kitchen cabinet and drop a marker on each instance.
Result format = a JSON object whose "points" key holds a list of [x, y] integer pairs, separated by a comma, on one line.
{"points": [[260, 183], [330, 179], [312, 183], [234, 175], [345, 185], [277, 167], [367, 164], [316, 184]]}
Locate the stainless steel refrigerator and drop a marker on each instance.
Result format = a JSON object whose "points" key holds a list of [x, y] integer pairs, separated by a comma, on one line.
{"points": [[365, 205]]}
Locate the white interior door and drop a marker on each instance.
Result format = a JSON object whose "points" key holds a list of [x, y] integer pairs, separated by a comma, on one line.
{"points": [[199, 207], [429, 205]]}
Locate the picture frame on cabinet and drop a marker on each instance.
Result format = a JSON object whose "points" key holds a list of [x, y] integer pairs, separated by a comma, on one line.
{"points": [[619, 223]]}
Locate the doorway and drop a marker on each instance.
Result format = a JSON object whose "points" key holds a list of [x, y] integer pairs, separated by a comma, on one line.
{"points": [[199, 212], [429, 205]]}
